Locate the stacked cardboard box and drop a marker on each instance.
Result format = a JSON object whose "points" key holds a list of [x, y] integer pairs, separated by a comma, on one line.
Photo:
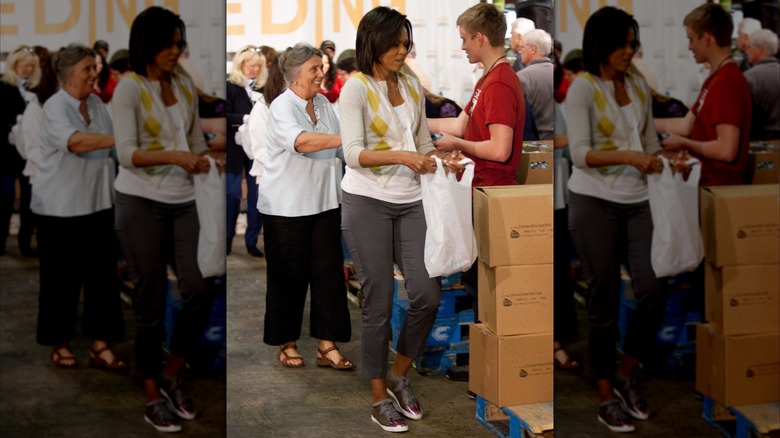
{"points": [[536, 165], [510, 360], [738, 351]]}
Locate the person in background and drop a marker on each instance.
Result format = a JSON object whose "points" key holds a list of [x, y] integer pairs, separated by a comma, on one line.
{"points": [[437, 107], [269, 53], [33, 114], [331, 84], [104, 86], [383, 219], [101, 48], [716, 130], [73, 201], [613, 146], [745, 29], [328, 47], [519, 27], [346, 68], [22, 72], [762, 78], [299, 198], [160, 144], [536, 79], [243, 90], [119, 64]]}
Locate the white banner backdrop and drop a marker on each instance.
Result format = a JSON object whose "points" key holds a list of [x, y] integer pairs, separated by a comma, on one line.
{"points": [[661, 32], [56, 23], [283, 23]]}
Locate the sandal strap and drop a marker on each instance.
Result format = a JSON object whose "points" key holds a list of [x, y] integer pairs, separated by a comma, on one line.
{"points": [[328, 350], [287, 346], [99, 351]]}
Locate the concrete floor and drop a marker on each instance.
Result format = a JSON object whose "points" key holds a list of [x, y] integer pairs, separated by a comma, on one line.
{"points": [[265, 399], [39, 400]]}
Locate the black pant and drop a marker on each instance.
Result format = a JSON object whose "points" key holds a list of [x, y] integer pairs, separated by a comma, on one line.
{"points": [[152, 234], [8, 178], [75, 252], [565, 315], [612, 234], [303, 252]]}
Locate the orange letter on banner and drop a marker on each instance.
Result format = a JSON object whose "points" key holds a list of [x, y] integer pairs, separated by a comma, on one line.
{"points": [[266, 18], [355, 13], [127, 11], [581, 12], [42, 27], [8, 29]]}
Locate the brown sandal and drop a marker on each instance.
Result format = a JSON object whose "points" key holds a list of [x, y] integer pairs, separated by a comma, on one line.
{"points": [[324, 361], [61, 361], [95, 361], [569, 365], [286, 359]]}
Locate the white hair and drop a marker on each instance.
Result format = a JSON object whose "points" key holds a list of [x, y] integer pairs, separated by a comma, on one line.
{"points": [[749, 25], [766, 39], [539, 38], [522, 25]]}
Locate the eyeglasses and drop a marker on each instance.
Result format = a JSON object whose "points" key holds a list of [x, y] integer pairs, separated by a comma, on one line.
{"points": [[27, 49], [251, 49]]}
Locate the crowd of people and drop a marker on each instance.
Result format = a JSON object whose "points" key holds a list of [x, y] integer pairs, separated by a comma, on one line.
{"points": [[107, 146]]}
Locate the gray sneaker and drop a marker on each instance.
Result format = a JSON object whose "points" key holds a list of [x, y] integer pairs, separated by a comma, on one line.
{"points": [[630, 400], [399, 390], [176, 396], [612, 415], [160, 416], [387, 417]]}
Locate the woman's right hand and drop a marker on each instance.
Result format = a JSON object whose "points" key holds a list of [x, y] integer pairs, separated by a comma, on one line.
{"points": [[644, 162], [417, 162], [190, 162]]}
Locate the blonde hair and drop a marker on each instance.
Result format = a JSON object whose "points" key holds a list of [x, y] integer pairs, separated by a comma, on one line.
{"points": [[22, 54], [243, 56]]}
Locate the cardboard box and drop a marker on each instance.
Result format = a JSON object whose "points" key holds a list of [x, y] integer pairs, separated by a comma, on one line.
{"points": [[536, 165], [510, 370], [765, 162], [737, 370], [515, 300], [742, 299], [514, 224], [740, 225]]}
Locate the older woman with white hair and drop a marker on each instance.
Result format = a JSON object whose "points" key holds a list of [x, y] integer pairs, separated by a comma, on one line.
{"points": [[243, 90], [73, 198], [21, 73], [300, 200]]}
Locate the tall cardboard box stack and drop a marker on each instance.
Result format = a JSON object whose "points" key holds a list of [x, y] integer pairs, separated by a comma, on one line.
{"points": [[738, 350], [510, 360]]}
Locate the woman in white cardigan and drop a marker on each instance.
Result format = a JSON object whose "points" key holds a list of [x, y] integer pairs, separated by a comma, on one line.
{"points": [[386, 146]]}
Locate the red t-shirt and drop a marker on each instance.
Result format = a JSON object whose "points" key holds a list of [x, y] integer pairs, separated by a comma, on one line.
{"points": [[724, 98], [334, 92], [497, 98]]}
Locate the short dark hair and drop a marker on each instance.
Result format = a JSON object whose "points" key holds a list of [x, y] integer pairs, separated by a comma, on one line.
{"points": [[605, 31], [377, 32], [347, 64], [151, 32], [712, 19]]}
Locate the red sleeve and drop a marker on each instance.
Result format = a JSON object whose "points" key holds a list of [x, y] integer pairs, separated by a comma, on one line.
{"points": [[726, 103], [500, 104]]}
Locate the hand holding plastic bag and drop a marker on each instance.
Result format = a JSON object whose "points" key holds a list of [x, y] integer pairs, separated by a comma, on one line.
{"points": [[674, 205], [450, 245]]}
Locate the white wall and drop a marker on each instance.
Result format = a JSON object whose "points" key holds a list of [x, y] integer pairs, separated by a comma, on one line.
{"points": [[283, 23], [56, 23]]}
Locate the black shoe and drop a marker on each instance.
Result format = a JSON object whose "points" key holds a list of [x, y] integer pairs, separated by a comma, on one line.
{"points": [[27, 251], [253, 251], [159, 415], [458, 373], [630, 401], [612, 415], [177, 398]]}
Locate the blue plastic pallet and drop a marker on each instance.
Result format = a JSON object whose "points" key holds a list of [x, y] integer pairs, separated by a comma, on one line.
{"points": [[748, 421], [513, 426]]}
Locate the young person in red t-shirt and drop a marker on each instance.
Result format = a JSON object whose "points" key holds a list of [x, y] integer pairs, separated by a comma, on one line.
{"points": [[717, 129], [490, 128]]}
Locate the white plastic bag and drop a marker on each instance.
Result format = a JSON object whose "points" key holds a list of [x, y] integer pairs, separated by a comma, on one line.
{"points": [[210, 202], [674, 204], [450, 245]]}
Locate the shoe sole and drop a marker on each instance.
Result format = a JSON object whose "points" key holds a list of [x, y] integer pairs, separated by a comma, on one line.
{"points": [[399, 409], [170, 429], [631, 412], [180, 414], [623, 429], [390, 428]]}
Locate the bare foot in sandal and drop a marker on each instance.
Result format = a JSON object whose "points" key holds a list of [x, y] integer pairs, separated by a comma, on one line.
{"points": [[288, 355], [62, 357], [101, 356], [328, 355]]}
